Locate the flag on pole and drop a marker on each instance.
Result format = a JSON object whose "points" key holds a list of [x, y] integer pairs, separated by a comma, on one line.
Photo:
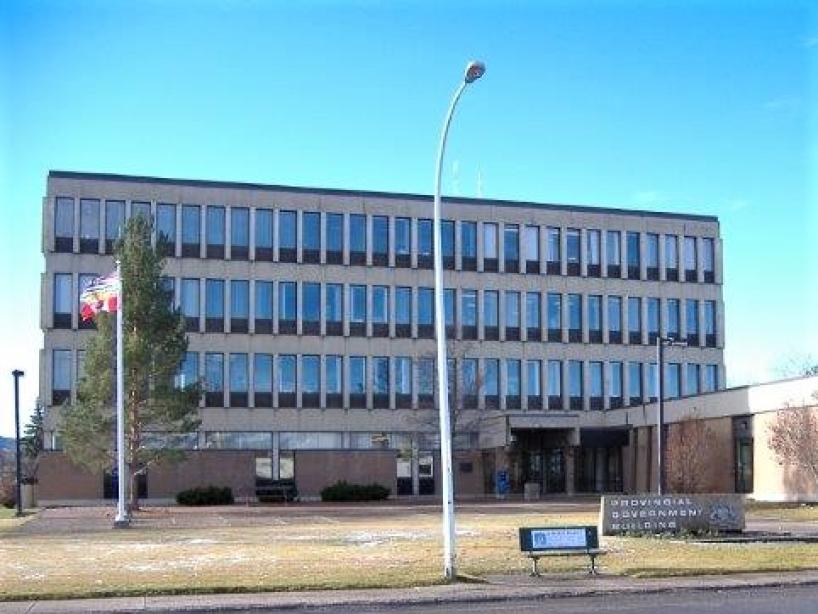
{"points": [[102, 294]]}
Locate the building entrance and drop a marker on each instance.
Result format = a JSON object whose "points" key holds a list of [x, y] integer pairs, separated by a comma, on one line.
{"points": [[546, 467]]}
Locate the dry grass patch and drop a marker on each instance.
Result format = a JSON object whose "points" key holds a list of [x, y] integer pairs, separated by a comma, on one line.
{"points": [[794, 512]]}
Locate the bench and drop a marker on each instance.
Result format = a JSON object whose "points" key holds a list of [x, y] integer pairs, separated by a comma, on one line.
{"points": [[538, 542]]}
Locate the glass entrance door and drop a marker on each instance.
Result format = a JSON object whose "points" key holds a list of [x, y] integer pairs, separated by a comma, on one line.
{"points": [[554, 471], [744, 465]]}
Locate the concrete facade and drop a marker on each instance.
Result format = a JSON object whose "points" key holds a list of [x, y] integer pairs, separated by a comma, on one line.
{"points": [[398, 421]]}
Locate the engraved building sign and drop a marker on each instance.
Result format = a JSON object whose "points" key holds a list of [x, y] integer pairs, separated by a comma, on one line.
{"points": [[670, 513]]}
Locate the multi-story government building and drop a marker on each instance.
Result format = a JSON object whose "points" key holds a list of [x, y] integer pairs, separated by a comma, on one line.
{"points": [[310, 318]]}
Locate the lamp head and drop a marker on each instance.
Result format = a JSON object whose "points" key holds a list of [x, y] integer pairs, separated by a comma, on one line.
{"points": [[474, 71], [17, 373]]}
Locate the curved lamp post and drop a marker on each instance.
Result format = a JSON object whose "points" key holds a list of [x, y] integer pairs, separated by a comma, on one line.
{"points": [[473, 72]]}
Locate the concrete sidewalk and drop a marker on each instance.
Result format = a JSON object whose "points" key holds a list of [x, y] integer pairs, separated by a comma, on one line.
{"points": [[498, 588]]}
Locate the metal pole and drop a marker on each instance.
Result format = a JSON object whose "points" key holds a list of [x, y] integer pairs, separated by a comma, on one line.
{"points": [[660, 448], [17, 374], [121, 516], [442, 371]]}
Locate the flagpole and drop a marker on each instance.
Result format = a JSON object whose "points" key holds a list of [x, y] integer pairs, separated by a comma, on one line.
{"points": [[121, 516]]}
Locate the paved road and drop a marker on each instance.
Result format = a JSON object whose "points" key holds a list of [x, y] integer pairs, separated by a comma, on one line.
{"points": [[781, 600]]}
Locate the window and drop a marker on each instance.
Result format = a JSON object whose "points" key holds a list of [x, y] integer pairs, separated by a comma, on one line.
{"points": [[263, 380], [403, 242], [64, 224], [532, 249], [426, 320], [593, 248], [239, 305], [287, 380], [165, 227], [287, 236], [357, 381], [572, 247], [595, 375], [710, 323], [615, 384], [595, 319], [553, 251], [575, 383], [614, 319], [671, 257], [334, 308], [264, 234], [634, 259], [692, 379], [62, 300], [554, 317], [188, 370], [575, 318], [491, 385], [334, 374], [310, 381], [191, 231], [357, 309], [287, 307], [311, 308], [692, 321], [403, 382], [89, 225], [239, 233], [425, 243], [634, 383], [264, 307], [613, 251], [214, 305], [652, 252], [711, 378], [403, 312], [238, 380], [554, 384], [380, 240], [447, 243], [653, 320], [357, 239], [652, 381], [311, 241], [468, 313], [214, 379], [380, 382], [673, 318], [512, 383], [380, 311], [115, 219], [189, 302], [141, 209], [335, 237], [83, 281], [490, 252], [634, 319], [533, 321], [708, 260], [672, 380], [512, 316], [215, 232], [448, 311], [533, 384], [690, 259], [468, 246], [426, 382], [511, 248], [491, 314], [60, 376]]}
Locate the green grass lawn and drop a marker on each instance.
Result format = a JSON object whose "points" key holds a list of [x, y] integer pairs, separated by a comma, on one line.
{"points": [[277, 549]]}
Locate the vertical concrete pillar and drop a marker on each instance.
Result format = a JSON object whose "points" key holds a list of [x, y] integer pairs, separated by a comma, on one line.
{"points": [[569, 453]]}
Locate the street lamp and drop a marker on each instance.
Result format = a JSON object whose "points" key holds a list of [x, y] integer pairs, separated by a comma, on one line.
{"points": [[17, 374], [473, 72], [661, 343]]}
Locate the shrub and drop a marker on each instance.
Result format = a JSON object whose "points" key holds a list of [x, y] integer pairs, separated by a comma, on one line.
{"points": [[343, 491], [205, 495]]}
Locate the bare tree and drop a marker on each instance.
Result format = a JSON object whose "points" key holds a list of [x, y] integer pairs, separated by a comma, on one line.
{"points": [[794, 438], [688, 444], [797, 365]]}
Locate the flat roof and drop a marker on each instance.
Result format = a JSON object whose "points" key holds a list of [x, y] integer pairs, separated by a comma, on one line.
{"points": [[237, 185]]}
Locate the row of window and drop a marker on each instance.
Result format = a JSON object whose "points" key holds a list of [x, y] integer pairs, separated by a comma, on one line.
{"points": [[465, 309], [380, 240], [412, 380]]}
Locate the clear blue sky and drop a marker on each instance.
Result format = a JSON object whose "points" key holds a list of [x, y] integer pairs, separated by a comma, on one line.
{"points": [[700, 107]]}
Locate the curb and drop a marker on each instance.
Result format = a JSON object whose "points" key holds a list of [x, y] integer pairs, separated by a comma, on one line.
{"points": [[434, 595]]}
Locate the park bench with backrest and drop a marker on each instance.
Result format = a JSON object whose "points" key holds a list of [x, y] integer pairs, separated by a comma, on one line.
{"points": [[538, 542]]}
